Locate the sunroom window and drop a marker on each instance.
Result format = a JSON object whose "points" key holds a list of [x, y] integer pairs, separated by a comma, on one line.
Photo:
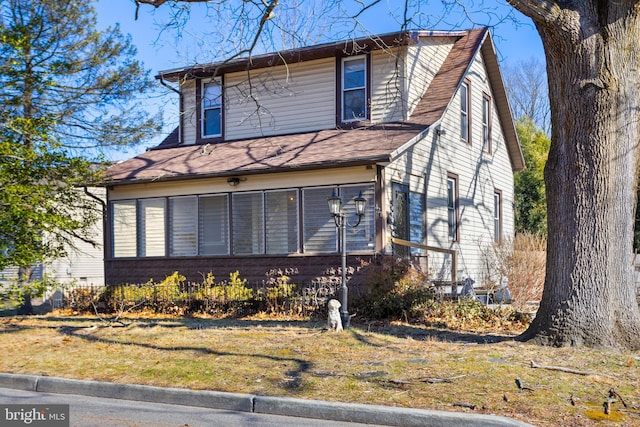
{"points": [[124, 228], [248, 226], [281, 218], [151, 228], [213, 221], [183, 221]]}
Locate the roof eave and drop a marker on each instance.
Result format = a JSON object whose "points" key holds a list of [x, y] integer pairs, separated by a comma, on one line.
{"points": [[369, 43], [502, 102], [362, 161]]}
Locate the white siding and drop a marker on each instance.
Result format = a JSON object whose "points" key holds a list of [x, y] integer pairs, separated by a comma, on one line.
{"points": [[82, 265], [387, 86], [281, 100], [189, 120], [479, 175], [423, 62], [301, 97]]}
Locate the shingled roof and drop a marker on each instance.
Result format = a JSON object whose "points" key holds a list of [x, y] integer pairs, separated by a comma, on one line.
{"points": [[310, 150]]}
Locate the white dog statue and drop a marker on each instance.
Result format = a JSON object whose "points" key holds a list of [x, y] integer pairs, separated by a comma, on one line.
{"points": [[334, 322]]}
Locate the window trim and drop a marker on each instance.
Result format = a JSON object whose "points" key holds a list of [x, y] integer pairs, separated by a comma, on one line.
{"points": [[487, 145], [497, 220], [346, 124], [465, 115], [200, 136], [455, 236]]}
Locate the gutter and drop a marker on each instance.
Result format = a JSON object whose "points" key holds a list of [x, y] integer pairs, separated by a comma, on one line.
{"points": [[373, 160]]}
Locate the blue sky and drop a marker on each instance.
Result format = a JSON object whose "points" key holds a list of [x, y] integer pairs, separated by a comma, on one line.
{"points": [[515, 37]]}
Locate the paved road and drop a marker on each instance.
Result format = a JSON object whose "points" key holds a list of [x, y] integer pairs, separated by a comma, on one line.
{"points": [[100, 412]]}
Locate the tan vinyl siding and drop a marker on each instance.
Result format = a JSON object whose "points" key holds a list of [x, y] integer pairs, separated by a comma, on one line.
{"points": [[281, 100], [423, 62], [387, 86], [188, 120]]}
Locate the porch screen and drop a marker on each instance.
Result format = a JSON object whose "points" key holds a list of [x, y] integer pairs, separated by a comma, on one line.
{"points": [[248, 228], [123, 229], [183, 222], [151, 227], [362, 237], [281, 218], [214, 225], [319, 230]]}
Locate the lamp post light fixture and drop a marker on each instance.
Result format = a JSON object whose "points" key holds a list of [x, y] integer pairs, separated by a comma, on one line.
{"points": [[340, 218]]}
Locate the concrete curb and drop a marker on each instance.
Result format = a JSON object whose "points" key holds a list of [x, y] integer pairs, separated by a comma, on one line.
{"points": [[335, 411]]}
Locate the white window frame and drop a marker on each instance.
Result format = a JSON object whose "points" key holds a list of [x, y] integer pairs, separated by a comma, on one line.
{"points": [[215, 106], [497, 216], [486, 123], [453, 220], [465, 113], [363, 88]]}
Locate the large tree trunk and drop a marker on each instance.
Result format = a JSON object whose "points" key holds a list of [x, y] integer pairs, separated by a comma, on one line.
{"points": [[593, 66]]}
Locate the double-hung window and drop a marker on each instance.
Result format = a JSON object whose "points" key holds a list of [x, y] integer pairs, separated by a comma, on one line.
{"points": [[354, 89], [465, 117], [486, 123], [211, 109], [452, 208], [497, 216]]}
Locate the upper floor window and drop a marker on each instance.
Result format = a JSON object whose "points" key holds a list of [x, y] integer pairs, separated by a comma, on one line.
{"points": [[486, 123], [211, 109], [465, 117], [354, 89]]}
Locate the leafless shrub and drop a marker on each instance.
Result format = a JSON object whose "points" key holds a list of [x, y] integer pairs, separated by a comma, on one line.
{"points": [[522, 260]]}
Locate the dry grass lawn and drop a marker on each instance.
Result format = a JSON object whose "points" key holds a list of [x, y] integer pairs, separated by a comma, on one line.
{"points": [[389, 364]]}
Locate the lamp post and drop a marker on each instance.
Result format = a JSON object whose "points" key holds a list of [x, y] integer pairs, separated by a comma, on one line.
{"points": [[340, 218]]}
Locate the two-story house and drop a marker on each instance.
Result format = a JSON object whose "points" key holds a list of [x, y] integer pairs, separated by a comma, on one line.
{"points": [[416, 122]]}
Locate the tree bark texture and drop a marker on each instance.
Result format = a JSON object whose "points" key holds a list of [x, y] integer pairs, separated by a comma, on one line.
{"points": [[592, 50]]}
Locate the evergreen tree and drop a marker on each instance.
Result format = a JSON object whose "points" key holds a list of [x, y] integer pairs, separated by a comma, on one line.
{"points": [[67, 93]]}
